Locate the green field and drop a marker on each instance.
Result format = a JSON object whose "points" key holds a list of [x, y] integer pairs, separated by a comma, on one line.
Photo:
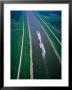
{"points": [[16, 41], [25, 67]]}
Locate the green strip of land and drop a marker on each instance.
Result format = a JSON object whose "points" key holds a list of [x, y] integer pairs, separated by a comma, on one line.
{"points": [[16, 36], [16, 41], [25, 67]]}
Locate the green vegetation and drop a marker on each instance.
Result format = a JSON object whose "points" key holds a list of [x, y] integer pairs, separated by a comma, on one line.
{"points": [[51, 22], [16, 41], [16, 36], [25, 67]]}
